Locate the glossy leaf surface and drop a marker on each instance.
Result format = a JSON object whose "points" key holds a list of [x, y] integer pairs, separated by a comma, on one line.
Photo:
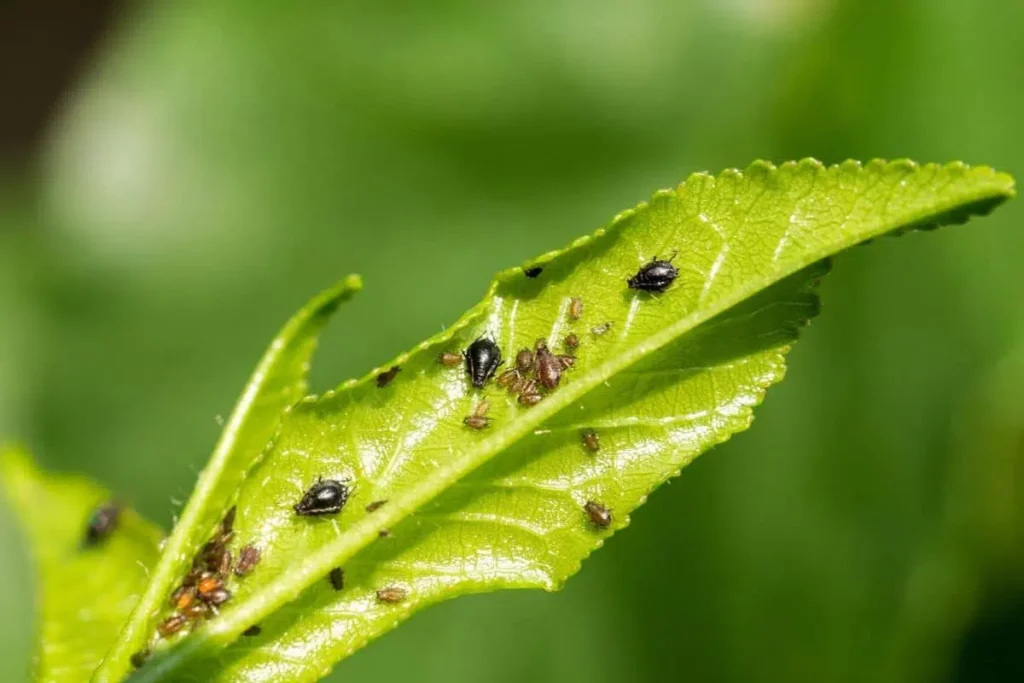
{"points": [[675, 374], [280, 379]]}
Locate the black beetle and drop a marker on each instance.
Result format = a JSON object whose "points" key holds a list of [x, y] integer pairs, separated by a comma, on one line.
{"points": [[384, 378], [102, 522], [533, 272], [325, 497], [482, 358], [337, 578], [655, 276]]}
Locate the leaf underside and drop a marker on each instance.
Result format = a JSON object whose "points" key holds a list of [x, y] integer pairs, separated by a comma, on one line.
{"points": [[503, 507]]}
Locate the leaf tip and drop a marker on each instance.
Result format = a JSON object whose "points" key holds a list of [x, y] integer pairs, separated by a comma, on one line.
{"points": [[352, 282]]}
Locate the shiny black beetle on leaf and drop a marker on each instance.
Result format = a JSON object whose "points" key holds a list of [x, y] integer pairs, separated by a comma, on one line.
{"points": [[654, 276], [482, 358], [325, 497]]}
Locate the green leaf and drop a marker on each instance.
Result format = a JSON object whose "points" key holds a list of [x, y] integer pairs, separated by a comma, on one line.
{"points": [[279, 381], [86, 591], [503, 507]]}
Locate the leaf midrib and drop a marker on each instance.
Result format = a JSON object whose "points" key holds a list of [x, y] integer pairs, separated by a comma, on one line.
{"points": [[288, 587], [187, 530]]}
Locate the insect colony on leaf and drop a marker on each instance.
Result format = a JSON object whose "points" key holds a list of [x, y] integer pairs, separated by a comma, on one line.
{"points": [[538, 371], [203, 589]]}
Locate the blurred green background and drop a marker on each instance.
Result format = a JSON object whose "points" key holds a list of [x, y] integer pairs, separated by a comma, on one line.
{"points": [[197, 169]]}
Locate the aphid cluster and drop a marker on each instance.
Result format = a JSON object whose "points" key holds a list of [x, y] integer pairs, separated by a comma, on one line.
{"points": [[536, 371], [539, 371], [203, 590]]}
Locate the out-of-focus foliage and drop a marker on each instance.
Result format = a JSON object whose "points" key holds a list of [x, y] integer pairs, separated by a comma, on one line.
{"points": [[223, 161], [87, 587]]}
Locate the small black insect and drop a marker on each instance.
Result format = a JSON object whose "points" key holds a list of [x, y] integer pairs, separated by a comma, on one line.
{"points": [[572, 342], [325, 497], [482, 359], [139, 658], [533, 272], [384, 378], [102, 522], [375, 505], [248, 558], [590, 440], [253, 630], [654, 276], [337, 578], [384, 533], [599, 514]]}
